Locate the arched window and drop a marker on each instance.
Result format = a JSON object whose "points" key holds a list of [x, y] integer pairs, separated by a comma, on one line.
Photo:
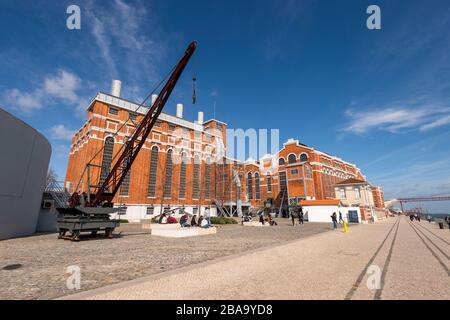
{"points": [[107, 159], [196, 178], [269, 183], [283, 183], [182, 190], [249, 186], [208, 178], [125, 187], [292, 158], [168, 180], [281, 162], [257, 190], [153, 172], [303, 157]]}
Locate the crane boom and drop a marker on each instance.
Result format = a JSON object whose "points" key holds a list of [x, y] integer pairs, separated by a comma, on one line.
{"points": [[115, 177]]}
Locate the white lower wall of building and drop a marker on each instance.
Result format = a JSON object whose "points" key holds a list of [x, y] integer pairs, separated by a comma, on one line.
{"points": [[136, 213], [323, 213]]}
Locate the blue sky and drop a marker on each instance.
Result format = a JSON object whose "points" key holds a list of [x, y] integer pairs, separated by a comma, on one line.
{"points": [[376, 98]]}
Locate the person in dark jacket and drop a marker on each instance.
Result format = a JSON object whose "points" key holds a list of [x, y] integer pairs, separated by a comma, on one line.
{"points": [[292, 217], [194, 221], [300, 215], [334, 219], [184, 221]]}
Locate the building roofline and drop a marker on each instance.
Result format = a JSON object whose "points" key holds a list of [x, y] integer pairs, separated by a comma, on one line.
{"points": [[211, 120], [132, 106]]}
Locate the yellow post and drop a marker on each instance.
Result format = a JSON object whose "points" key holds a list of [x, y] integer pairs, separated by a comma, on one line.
{"points": [[345, 227]]}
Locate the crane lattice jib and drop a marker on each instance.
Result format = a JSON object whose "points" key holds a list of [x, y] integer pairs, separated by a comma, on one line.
{"points": [[134, 144]]}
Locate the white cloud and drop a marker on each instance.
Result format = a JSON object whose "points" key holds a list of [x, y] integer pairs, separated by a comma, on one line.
{"points": [[437, 123], [214, 93], [119, 30], [25, 101], [397, 119], [60, 132], [62, 85]]}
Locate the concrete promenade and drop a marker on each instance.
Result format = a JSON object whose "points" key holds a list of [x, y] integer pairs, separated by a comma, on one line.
{"points": [[413, 260]]}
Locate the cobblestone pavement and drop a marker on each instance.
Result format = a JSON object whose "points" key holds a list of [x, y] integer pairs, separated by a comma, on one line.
{"points": [[391, 259], [104, 262]]}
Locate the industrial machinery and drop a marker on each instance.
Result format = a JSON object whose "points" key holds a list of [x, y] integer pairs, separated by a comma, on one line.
{"points": [[95, 215]]}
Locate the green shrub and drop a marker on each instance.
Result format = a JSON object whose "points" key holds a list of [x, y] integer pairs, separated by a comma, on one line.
{"points": [[124, 221]]}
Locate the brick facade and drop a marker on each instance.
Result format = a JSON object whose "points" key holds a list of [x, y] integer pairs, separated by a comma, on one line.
{"points": [[297, 172]]}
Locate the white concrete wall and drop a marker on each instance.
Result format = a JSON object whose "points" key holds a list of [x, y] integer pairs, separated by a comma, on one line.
{"points": [[24, 159], [320, 213], [323, 213]]}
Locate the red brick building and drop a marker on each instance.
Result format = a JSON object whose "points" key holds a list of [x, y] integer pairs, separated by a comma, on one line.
{"points": [[182, 165]]}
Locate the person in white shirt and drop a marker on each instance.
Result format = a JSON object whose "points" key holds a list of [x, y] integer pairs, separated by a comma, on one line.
{"points": [[204, 224], [207, 215]]}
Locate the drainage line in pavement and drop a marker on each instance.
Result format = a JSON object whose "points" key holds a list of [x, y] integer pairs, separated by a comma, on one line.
{"points": [[355, 286], [378, 293], [435, 234], [434, 244], [432, 252]]}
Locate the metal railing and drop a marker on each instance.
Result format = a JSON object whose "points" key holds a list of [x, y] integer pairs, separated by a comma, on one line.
{"points": [[58, 193]]}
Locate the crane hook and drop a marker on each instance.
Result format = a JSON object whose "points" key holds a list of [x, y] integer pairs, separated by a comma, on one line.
{"points": [[194, 95]]}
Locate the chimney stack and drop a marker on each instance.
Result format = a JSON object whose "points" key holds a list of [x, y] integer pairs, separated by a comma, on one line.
{"points": [[116, 87], [179, 110], [200, 117]]}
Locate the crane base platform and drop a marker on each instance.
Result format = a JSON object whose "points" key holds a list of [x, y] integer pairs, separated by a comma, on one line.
{"points": [[74, 221]]}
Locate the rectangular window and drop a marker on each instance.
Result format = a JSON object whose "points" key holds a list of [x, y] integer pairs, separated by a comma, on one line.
{"points": [[122, 211], [132, 116], [158, 124], [172, 127], [150, 210], [343, 195], [357, 193], [198, 135], [113, 111], [294, 172], [283, 182]]}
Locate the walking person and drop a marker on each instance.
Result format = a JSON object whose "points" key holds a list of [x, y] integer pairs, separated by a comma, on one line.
{"points": [[334, 220], [300, 215], [292, 216], [447, 219], [340, 217]]}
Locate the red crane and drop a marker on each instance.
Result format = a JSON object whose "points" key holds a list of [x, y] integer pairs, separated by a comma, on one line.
{"points": [[114, 179]]}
